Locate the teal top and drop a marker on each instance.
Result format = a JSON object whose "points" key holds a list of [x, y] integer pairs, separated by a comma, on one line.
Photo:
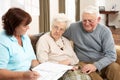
{"points": [[13, 56], [97, 47]]}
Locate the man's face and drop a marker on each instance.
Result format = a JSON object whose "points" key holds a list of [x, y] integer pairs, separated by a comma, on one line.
{"points": [[89, 21]]}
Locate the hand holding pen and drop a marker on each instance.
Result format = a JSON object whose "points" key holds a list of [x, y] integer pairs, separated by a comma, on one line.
{"points": [[31, 75]]}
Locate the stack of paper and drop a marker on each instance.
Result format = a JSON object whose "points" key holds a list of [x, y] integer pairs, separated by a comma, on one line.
{"points": [[51, 71]]}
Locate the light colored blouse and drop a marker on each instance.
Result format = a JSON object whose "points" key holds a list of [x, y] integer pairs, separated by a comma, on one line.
{"points": [[13, 56], [54, 51]]}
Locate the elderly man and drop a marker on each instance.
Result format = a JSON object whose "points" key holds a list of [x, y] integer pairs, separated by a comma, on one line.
{"points": [[94, 45]]}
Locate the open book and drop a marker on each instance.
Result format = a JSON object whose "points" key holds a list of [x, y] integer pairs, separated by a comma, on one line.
{"points": [[51, 71]]}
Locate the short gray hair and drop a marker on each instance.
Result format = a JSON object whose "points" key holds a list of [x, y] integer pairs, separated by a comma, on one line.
{"points": [[92, 10], [61, 17]]}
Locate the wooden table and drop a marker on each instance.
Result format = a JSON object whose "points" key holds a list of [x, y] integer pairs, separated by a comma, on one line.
{"points": [[107, 16]]}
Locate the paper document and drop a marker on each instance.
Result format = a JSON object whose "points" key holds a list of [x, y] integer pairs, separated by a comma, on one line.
{"points": [[51, 71]]}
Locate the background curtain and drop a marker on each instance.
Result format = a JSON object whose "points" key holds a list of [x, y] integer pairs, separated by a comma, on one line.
{"points": [[44, 16], [61, 6], [77, 6]]}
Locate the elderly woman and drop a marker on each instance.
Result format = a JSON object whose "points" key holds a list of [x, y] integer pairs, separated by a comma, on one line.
{"points": [[53, 47], [16, 52]]}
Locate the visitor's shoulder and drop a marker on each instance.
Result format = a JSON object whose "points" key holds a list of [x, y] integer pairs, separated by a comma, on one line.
{"points": [[45, 36], [3, 36], [76, 24], [65, 39], [104, 28]]}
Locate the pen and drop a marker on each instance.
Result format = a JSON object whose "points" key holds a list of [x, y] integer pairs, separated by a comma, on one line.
{"points": [[31, 69]]}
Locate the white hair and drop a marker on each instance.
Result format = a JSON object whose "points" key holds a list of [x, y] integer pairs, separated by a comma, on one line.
{"points": [[61, 17], [92, 10]]}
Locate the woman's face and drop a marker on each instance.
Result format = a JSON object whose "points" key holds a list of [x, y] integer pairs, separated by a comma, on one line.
{"points": [[58, 29], [90, 21], [21, 29]]}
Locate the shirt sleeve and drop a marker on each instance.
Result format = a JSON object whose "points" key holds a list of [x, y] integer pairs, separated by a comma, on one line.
{"points": [[74, 58], [4, 56], [42, 50], [109, 51], [67, 33]]}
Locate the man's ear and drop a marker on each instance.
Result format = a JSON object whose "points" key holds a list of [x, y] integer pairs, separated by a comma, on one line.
{"points": [[99, 18]]}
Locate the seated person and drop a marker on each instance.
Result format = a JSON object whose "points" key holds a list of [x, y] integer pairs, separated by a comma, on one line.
{"points": [[94, 45], [53, 47], [16, 52]]}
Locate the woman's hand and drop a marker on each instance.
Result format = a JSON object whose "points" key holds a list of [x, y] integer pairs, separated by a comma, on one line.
{"points": [[75, 68], [65, 62], [30, 75]]}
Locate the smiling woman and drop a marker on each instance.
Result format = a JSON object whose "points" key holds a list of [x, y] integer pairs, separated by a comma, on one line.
{"points": [[14, 45]]}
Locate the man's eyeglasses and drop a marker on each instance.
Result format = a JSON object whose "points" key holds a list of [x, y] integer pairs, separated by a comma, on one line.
{"points": [[89, 21]]}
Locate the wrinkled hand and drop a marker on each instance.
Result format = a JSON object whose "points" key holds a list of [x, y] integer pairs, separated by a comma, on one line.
{"points": [[30, 75], [88, 68], [75, 67], [65, 62]]}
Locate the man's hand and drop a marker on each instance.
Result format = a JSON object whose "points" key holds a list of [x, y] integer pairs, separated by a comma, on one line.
{"points": [[88, 68]]}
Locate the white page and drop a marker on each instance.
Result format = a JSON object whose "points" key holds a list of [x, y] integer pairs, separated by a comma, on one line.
{"points": [[51, 71]]}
